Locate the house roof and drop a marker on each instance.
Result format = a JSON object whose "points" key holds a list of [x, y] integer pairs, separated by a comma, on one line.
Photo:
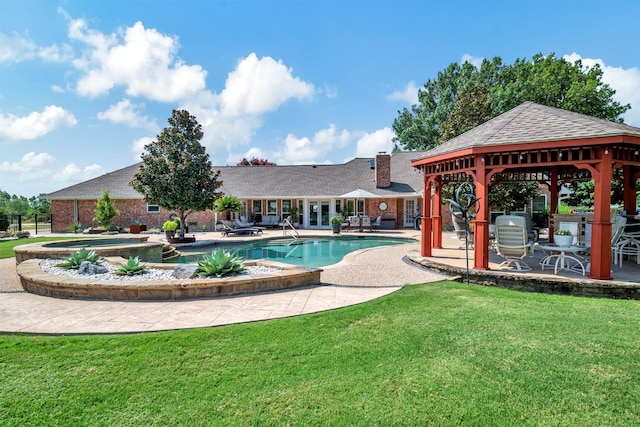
{"points": [[530, 122], [295, 181]]}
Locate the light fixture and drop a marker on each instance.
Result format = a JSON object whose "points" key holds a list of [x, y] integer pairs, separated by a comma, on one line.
{"points": [[482, 159], [521, 157], [457, 163], [606, 150], [560, 154], [636, 152]]}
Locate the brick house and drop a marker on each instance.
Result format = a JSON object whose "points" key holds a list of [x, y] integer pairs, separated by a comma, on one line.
{"points": [[386, 185]]}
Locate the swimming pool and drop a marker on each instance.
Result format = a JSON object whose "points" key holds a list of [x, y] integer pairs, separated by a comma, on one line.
{"points": [[310, 252]]}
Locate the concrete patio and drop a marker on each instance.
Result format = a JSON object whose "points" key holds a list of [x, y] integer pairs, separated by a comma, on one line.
{"points": [[362, 276]]}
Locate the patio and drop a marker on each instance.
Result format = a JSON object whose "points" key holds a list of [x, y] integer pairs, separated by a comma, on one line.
{"points": [[451, 260]]}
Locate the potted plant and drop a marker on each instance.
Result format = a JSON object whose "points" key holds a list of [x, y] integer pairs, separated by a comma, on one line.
{"points": [[563, 237], [137, 227], [169, 229], [336, 223]]}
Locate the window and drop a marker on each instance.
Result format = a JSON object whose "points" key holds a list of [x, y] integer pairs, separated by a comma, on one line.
{"points": [[257, 206], [338, 206], [539, 203], [153, 207], [272, 207], [351, 207], [286, 207], [360, 207]]}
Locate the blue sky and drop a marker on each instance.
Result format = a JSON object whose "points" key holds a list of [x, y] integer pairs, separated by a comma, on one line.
{"points": [[85, 84]]}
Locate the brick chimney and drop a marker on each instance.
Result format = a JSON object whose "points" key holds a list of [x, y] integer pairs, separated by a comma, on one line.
{"points": [[383, 170]]}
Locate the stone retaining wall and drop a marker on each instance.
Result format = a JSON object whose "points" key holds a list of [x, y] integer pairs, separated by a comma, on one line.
{"points": [[36, 281]]}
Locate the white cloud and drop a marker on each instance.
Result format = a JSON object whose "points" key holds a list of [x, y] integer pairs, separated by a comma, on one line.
{"points": [[36, 124], [257, 86], [305, 150], [137, 148], [71, 173], [15, 48], [626, 83], [31, 163], [473, 60], [408, 95], [57, 89], [372, 143], [330, 91], [142, 60], [126, 113], [34, 173]]}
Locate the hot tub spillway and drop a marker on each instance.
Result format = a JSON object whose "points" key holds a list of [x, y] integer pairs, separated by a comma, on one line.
{"points": [[169, 253]]}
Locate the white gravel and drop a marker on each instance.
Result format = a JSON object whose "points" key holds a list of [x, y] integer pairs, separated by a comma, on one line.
{"points": [[49, 266]]}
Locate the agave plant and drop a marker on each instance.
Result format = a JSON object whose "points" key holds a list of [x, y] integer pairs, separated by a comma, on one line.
{"points": [[131, 268], [77, 258], [220, 263]]}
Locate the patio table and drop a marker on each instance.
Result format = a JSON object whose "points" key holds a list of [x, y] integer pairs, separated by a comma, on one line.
{"points": [[562, 255]]}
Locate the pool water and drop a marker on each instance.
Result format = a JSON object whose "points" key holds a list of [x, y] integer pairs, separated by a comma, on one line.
{"points": [[309, 252]]}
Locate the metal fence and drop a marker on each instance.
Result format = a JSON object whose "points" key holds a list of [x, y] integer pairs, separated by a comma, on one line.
{"points": [[41, 224]]}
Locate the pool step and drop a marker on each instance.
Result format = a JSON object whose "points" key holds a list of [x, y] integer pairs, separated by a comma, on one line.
{"points": [[169, 253]]}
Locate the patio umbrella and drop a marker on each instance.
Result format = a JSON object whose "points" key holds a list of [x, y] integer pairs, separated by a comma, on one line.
{"points": [[358, 194]]}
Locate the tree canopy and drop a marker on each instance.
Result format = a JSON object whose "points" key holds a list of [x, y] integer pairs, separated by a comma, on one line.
{"points": [[176, 172], [20, 205], [464, 96]]}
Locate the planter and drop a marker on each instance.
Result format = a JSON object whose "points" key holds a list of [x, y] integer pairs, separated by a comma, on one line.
{"points": [[336, 228], [563, 240], [137, 229], [97, 231], [169, 234]]}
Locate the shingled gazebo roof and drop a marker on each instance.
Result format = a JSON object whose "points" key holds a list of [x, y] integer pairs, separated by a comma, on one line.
{"points": [[529, 123]]}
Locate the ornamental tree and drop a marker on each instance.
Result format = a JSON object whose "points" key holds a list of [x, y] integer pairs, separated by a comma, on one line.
{"points": [[176, 172], [105, 210]]}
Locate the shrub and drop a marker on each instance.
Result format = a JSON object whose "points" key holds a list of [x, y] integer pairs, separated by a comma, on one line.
{"points": [[76, 227], [170, 226], [337, 219], [220, 263]]}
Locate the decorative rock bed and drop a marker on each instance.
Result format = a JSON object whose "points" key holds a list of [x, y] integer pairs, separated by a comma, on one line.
{"points": [[276, 276]]}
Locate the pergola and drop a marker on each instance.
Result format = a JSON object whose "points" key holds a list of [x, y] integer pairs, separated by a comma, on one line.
{"points": [[537, 143]]}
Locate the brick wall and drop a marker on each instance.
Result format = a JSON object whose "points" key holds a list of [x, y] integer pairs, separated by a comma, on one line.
{"points": [[130, 210]]}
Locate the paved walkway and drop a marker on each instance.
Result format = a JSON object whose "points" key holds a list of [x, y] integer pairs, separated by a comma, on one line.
{"points": [[361, 277]]}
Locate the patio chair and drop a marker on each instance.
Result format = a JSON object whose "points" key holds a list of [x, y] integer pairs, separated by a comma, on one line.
{"points": [[376, 224], [512, 241], [462, 230]]}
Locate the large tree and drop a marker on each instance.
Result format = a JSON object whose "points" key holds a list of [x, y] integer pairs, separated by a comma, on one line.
{"points": [[546, 80], [176, 172], [255, 161], [464, 96]]}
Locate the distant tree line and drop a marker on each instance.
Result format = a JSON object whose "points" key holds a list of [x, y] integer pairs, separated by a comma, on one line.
{"points": [[11, 204]]}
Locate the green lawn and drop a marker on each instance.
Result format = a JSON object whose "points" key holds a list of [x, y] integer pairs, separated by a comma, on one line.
{"points": [[435, 354], [6, 246]]}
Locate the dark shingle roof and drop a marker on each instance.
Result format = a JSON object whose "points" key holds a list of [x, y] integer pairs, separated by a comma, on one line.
{"points": [[296, 181], [531, 122]]}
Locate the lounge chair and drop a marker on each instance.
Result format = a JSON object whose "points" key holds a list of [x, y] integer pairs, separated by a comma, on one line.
{"points": [[512, 241], [232, 228], [244, 224]]}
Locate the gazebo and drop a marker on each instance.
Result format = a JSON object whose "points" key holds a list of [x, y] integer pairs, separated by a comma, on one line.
{"points": [[533, 142]]}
